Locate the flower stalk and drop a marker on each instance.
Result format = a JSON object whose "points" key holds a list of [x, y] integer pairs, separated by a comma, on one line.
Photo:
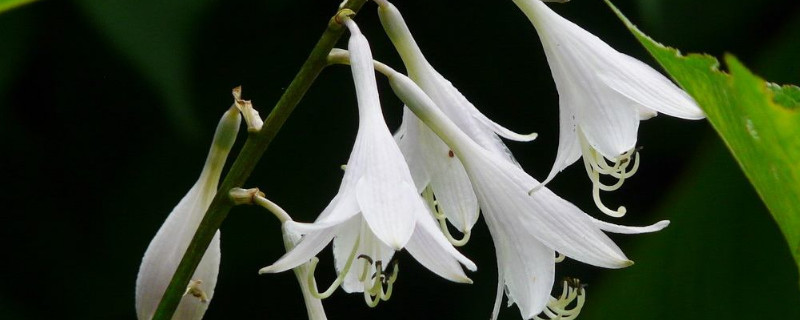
{"points": [[253, 149]]}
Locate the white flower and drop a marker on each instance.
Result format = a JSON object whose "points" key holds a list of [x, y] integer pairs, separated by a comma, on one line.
{"points": [[377, 210], [432, 162], [168, 246], [603, 96], [527, 230]]}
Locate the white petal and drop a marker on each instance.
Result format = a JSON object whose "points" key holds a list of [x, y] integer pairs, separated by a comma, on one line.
{"points": [[368, 245], [569, 149], [462, 112], [342, 208], [386, 192], [455, 196], [527, 265], [503, 131], [641, 83], [369, 105], [610, 124], [342, 248], [167, 248], [386, 203], [501, 188], [615, 228], [432, 250], [449, 181], [310, 245], [440, 90], [408, 140]]}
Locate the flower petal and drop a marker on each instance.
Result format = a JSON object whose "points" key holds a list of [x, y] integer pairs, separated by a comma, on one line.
{"points": [[386, 201], [385, 192], [609, 122], [449, 181], [501, 188], [432, 250], [310, 245], [342, 208], [615, 228], [527, 266], [368, 245], [569, 149], [503, 131], [167, 248], [646, 86], [408, 140]]}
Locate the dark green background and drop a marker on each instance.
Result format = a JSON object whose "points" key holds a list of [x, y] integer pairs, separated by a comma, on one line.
{"points": [[107, 108]]}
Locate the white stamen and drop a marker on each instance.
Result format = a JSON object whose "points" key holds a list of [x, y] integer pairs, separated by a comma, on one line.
{"points": [[558, 308], [560, 257], [374, 292], [440, 216], [312, 284], [596, 165]]}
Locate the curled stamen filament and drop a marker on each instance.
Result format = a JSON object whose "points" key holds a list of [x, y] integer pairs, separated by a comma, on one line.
{"points": [[374, 292], [558, 308], [440, 216], [595, 165], [312, 284], [560, 257]]}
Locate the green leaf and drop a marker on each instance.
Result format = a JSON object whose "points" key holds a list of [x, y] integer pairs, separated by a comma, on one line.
{"points": [[6, 5], [157, 36], [759, 123]]}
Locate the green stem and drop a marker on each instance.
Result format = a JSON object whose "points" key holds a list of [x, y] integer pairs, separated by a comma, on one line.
{"points": [[248, 157]]}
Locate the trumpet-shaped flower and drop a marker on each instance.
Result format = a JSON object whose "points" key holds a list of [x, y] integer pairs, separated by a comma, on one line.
{"points": [[377, 210], [166, 249], [603, 94], [432, 163], [527, 230]]}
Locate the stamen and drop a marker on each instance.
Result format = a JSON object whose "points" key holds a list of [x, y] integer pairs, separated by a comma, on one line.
{"points": [[312, 284], [367, 262], [374, 291], [390, 282], [596, 165], [440, 216], [559, 257], [573, 293], [446, 231]]}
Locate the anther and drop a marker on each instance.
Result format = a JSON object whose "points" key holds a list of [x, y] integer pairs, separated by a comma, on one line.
{"points": [[196, 291]]}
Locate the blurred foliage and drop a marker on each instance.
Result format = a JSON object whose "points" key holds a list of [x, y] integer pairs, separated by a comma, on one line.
{"points": [[107, 108], [158, 37], [758, 122], [6, 5]]}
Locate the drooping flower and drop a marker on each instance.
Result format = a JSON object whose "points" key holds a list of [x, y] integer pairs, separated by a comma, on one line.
{"points": [[168, 246], [603, 94], [377, 210], [435, 169], [527, 230]]}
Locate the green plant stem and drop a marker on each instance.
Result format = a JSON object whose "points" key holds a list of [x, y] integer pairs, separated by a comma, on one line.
{"points": [[245, 162]]}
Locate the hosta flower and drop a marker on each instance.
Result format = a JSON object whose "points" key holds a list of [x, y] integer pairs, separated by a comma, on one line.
{"points": [[377, 210], [603, 95], [527, 230], [431, 161], [168, 246]]}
